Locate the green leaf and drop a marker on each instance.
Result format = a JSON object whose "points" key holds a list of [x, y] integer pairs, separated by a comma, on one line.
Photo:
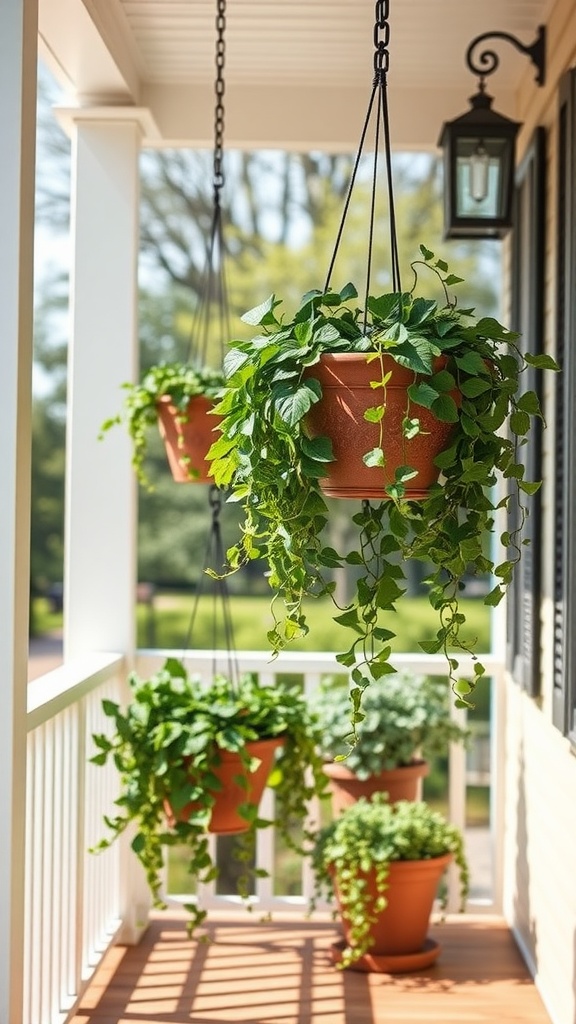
{"points": [[474, 386], [445, 409], [471, 362], [348, 292], [528, 487], [405, 473], [541, 362], [261, 314], [317, 448], [443, 381], [430, 646], [519, 422], [529, 402], [446, 458], [326, 334], [374, 414], [423, 394], [374, 458], [494, 597], [388, 593], [292, 405], [350, 620]]}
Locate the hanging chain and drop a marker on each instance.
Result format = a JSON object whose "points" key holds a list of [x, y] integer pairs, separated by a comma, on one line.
{"points": [[381, 39], [219, 88], [379, 89], [215, 292]]}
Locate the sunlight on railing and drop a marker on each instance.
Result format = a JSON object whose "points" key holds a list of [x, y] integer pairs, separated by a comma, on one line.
{"points": [[72, 898], [75, 900]]}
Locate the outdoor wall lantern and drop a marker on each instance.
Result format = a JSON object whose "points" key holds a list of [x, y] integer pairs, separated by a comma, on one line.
{"points": [[479, 150]]}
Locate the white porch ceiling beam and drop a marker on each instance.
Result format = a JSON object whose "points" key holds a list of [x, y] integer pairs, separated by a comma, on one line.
{"points": [[300, 118]]}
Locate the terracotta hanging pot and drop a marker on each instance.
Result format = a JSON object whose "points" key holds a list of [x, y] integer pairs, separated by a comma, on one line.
{"points": [[225, 818], [346, 394], [187, 437], [399, 940], [403, 783]]}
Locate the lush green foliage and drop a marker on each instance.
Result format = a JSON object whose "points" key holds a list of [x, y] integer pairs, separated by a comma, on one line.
{"points": [[166, 746], [404, 716], [182, 381], [273, 468], [370, 835]]}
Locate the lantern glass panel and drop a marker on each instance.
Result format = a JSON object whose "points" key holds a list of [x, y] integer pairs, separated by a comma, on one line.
{"points": [[496, 158]]}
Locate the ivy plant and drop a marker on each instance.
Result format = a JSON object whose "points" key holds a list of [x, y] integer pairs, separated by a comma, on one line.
{"points": [[370, 835], [271, 465], [166, 745], [181, 381], [406, 716]]}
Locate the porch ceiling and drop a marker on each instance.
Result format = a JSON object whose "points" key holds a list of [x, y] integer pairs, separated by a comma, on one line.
{"points": [[298, 74]]}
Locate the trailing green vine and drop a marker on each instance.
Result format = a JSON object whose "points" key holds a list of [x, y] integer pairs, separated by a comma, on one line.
{"points": [[267, 459]]}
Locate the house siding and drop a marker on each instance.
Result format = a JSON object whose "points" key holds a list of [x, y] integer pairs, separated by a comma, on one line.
{"points": [[539, 843]]}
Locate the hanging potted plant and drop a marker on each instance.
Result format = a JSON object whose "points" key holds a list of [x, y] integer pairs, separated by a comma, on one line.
{"points": [[463, 372], [178, 399], [194, 759], [406, 723], [179, 396], [452, 370], [383, 863]]}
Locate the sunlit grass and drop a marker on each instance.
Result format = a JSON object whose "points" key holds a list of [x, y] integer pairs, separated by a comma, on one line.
{"points": [[167, 625]]}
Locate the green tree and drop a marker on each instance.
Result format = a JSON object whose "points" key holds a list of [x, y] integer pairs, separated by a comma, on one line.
{"points": [[281, 213]]}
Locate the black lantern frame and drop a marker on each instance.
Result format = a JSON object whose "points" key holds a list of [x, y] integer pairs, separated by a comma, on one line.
{"points": [[480, 151]]}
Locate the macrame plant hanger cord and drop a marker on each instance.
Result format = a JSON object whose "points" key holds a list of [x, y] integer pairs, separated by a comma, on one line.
{"points": [[214, 296], [379, 94]]}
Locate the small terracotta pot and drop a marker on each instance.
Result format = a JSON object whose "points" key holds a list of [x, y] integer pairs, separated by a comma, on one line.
{"points": [[188, 440], [346, 394], [225, 818], [403, 783], [398, 938]]}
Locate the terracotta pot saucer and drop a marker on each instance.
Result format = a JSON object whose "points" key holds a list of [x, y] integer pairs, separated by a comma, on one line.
{"points": [[400, 963]]}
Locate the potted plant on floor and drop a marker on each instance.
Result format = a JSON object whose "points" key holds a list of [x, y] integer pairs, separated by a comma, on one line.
{"points": [[383, 863], [406, 723], [171, 746], [178, 398], [456, 370]]}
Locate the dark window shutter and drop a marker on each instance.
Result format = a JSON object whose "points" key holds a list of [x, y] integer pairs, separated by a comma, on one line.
{"points": [[564, 666], [528, 270]]}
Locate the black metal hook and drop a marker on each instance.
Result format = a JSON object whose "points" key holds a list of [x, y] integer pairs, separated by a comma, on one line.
{"points": [[488, 60]]}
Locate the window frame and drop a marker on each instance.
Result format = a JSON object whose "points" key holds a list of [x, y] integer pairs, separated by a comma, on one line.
{"points": [[527, 317]]}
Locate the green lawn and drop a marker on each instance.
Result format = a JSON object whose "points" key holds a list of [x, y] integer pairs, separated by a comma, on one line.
{"points": [[415, 620]]}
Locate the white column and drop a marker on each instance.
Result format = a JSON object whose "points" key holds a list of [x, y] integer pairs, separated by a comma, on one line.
{"points": [[100, 545], [100, 573], [18, 36]]}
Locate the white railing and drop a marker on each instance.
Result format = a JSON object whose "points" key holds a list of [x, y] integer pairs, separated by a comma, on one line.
{"points": [[72, 898], [75, 901]]}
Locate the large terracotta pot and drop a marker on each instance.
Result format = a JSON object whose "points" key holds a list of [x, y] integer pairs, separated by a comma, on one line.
{"points": [[346, 394], [399, 939], [403, 783], [187, 440], [225, 818]]}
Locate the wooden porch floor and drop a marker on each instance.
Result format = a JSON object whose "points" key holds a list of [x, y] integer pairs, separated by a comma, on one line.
{"points": [[280, 972]]}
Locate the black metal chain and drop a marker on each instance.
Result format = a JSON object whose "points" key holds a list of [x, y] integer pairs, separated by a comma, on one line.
{"points": [[215, 290], [381, 63], [381, 38], [219, 89]]}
